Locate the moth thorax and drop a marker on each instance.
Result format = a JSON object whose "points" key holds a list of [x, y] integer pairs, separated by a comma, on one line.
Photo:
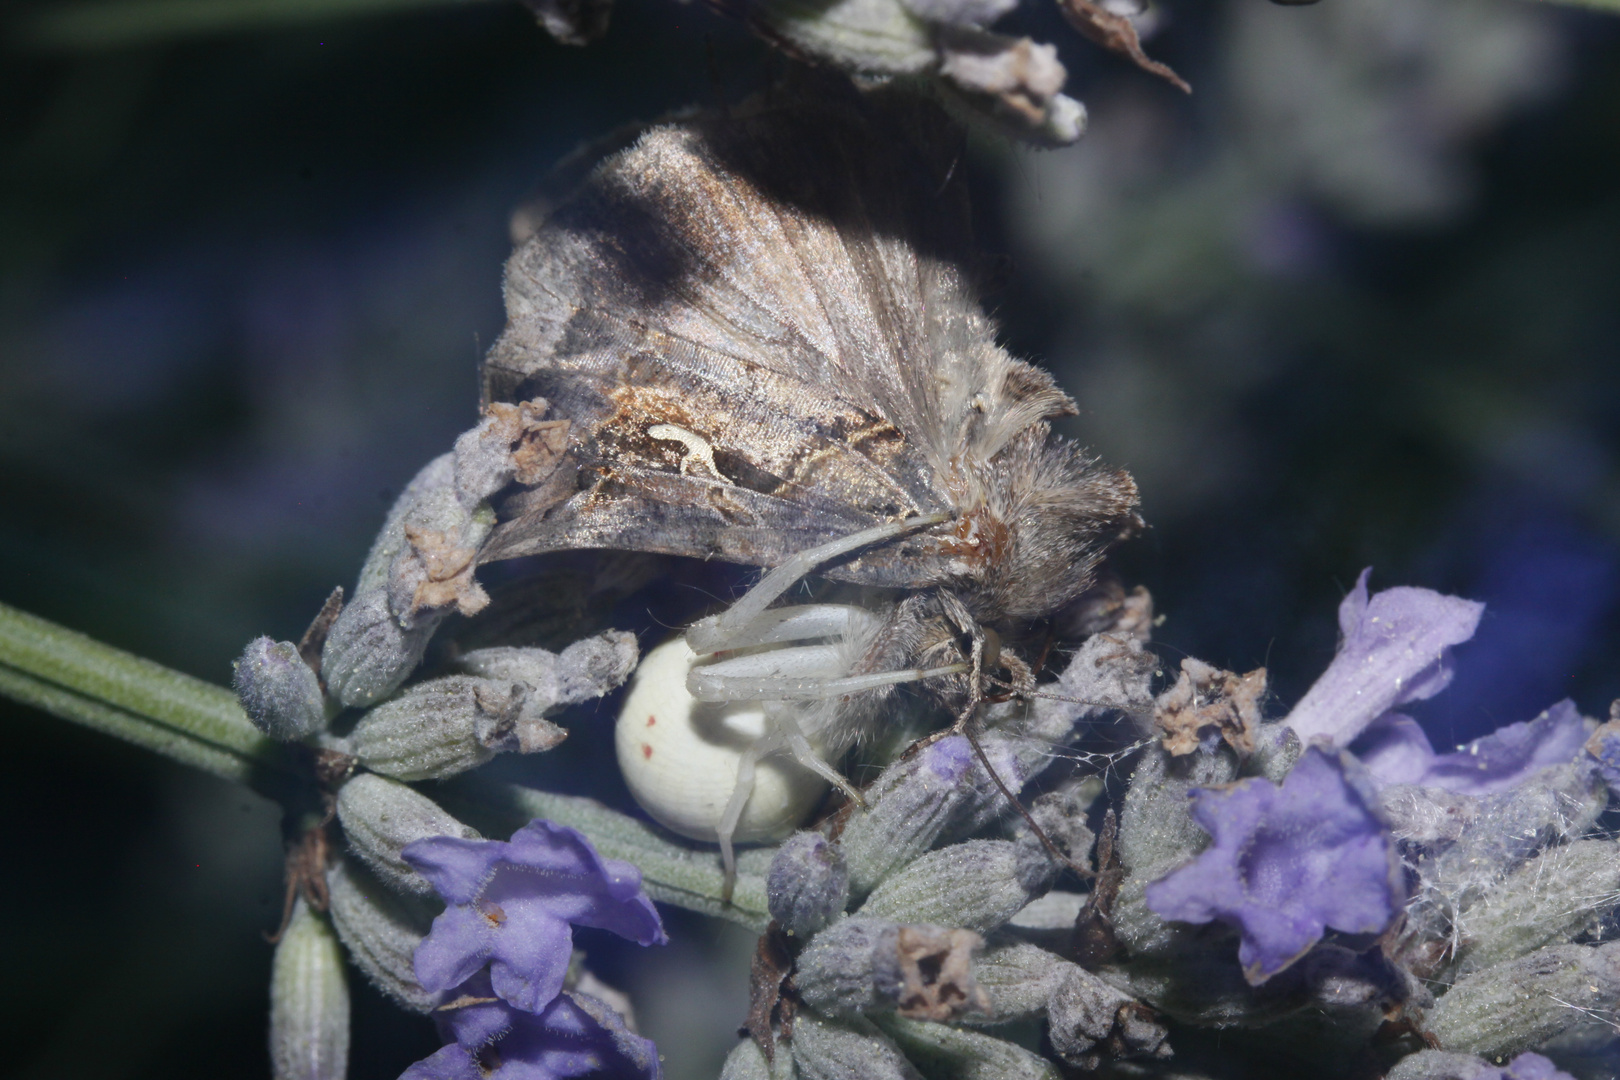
{"points": [[980, 539]]}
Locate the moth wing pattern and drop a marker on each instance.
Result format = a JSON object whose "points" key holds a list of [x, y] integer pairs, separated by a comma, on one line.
{"points": [[763, 330]]}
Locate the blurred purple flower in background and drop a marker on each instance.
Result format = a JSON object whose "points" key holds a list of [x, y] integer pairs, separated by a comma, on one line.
{"points": [[1287, 863], [1394, 651]]}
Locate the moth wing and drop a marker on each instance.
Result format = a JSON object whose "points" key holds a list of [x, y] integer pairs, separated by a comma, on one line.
{"points": [[761, 331]]}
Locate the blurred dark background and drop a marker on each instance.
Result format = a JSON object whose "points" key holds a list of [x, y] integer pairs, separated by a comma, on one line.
{"points": [[1355, 302]]}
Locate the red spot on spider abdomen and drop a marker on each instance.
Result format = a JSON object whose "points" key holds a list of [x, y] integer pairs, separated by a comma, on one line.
{"points": [[651, 720], [646, 750]]}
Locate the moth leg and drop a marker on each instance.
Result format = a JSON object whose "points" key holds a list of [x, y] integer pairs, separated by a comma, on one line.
{"points": [[982, 643], [730, 629]]}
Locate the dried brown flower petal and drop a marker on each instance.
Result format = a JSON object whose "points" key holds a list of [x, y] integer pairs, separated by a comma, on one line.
{"points": [[1206, 697], [936, 973], [438, 574], [1118, 34]]}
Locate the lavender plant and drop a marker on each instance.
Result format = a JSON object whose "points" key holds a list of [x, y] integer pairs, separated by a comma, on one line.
{"points": [[1324, 889]]}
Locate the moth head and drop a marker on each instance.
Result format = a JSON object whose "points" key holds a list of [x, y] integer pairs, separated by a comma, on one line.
{"points": [[1052, 512]]}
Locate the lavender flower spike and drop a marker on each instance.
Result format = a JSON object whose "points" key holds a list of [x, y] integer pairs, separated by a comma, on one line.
{"points": [[1393, 652], [510, 904], [1287, 863]]}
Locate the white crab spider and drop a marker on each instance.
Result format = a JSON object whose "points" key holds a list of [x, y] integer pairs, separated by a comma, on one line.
{"points": [[681, 757], [771, 698]]}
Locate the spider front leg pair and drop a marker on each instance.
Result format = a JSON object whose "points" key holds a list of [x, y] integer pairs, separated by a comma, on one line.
{"points": [[728, 733]]}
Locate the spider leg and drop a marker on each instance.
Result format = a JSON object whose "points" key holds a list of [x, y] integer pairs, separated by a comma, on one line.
{"points": [[731, 627], [740, 794], [726, 684], [805, 753], [801, 621]]}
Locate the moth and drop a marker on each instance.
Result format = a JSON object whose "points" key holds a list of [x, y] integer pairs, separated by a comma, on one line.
{"points": [[763, 331]]}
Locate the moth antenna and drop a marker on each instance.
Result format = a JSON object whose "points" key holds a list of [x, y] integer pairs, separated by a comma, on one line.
{"points": [[1014, 691], [950, 172], [1040, 833]]}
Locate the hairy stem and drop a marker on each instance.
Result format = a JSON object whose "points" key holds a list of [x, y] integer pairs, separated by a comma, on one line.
{"points": [[184, 719]]}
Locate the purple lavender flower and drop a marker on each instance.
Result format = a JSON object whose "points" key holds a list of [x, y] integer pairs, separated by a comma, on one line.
{"points": [[1396, 751], [1529, 1066], [574, 1035], [1287, 863], [1394, 651], [511, 904]]}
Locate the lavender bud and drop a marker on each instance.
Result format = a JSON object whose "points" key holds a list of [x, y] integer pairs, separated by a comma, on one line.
{"points": [[1110, 673], [381, 930], [974, 884], [433, 546], [1084, 1011], [1549, 900], [1158, 834], [368, 654], [380, 816], [1050, 918], [586, 669], [1426, 816], [309, 1002], [1019, 979], [1556, 804], [368, 651], [278, 691], [942, 1050], [1061, 815], [1276, 749], [1016, 759], [853, 1049], [595, 665], [446, 726], [1523, 1003], [419, 569], [747, 1062], [512, 442], [808, 884], [865, 965], [914, 802]]}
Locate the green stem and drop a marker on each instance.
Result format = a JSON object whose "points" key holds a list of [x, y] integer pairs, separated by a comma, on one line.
{"points": [[201, 725], [185, 719]]}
